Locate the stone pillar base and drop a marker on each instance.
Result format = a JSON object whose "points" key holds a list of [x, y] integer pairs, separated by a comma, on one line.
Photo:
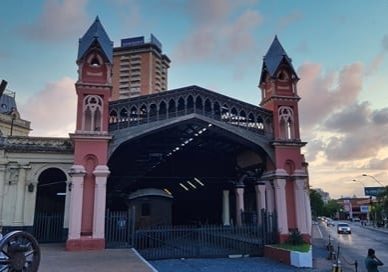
{"points": [[83, 244]]}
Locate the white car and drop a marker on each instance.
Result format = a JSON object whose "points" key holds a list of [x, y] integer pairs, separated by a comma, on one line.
{"points": [[343, 228]]}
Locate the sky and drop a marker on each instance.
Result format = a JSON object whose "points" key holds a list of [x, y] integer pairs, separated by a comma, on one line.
{"points": [[338, 48]]}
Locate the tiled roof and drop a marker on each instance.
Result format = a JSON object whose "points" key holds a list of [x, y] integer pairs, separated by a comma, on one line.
{"points": [[96, 32], [274, 57]]}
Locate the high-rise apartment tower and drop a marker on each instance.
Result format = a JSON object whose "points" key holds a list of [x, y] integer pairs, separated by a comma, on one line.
{"points": [[139, 68]]}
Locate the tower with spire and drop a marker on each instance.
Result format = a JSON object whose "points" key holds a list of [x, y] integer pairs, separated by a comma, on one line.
{"points": [[278, 84], [89, 172]]}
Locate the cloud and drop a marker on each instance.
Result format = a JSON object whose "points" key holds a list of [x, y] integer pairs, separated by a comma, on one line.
{"points": [[384, 43], [380, 117], [286, 21], [351, 118], [378, 164], [128, 11], [58, 21], [358, 133], [324, 93], [216, 34], [52, 111]]}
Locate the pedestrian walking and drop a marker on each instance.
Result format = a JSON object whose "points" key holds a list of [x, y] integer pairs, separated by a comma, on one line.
{"points": [[372, 262]]}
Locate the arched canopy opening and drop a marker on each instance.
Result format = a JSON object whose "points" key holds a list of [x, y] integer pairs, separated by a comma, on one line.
{"points": [[192, 160]]}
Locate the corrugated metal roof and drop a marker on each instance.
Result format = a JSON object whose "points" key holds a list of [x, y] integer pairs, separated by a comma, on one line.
{"points": [[274, 57], [7, 103], [96, 32]]}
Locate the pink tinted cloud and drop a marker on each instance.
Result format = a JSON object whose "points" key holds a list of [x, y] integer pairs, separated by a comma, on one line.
{"points": [[52, 111], [59, 20], [218, 40], [324, 93]]}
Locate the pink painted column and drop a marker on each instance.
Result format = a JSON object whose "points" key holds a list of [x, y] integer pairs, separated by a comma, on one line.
{"points": [[101, 173], [281, 206], [239, 204], [77, 173], [260, 199], [302, 198], [300, 205]]}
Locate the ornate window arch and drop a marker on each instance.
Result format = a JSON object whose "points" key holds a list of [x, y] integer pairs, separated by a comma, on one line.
{"points": [[92, 113], [286, 122]]}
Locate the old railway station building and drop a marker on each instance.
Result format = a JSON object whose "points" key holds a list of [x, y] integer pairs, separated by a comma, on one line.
{"points": [[188, 156]]}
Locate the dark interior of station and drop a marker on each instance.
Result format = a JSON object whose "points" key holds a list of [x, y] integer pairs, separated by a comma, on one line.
{"points": [[193, 161], [51, 191]]}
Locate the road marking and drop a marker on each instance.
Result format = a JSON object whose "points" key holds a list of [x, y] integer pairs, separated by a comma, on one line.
{"points": [[320, 232]]}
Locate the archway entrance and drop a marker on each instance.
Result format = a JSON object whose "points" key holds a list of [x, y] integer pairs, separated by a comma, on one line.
{"points": [[50, 206], [176, 190], [194, 162]]}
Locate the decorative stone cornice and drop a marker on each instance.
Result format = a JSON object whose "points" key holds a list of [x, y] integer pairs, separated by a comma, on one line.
{"points": [[36, 144], [278, 173], [299, 173]]}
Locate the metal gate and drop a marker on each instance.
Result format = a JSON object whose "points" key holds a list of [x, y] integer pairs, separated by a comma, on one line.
{"points": [[48, 227], [206, 241], [119, 229]]}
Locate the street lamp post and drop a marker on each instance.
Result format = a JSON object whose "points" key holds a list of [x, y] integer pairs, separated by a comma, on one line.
{"points": [[355, 180], [375, 179]]}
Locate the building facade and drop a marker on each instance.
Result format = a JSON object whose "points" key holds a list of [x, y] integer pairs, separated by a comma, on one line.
{"points": [[10, 121], [139, 68], [217, 157]]}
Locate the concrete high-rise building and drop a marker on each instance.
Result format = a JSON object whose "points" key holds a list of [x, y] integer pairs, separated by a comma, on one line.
{"points": [[139, 68]]}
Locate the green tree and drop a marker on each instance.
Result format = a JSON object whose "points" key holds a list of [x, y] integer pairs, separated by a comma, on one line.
{"points": [[316, 203], [331, 208]]}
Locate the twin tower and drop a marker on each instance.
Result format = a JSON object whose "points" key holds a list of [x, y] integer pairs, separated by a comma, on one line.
{"points": [[285, 179]]}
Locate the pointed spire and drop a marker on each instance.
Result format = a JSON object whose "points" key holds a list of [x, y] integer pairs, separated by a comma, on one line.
{"points": [[275, 55], [96, 32]]}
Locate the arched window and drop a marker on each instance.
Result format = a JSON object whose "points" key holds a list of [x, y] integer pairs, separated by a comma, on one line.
{"points": [[92, 110], [286, 122], [133, 116], [217, 110], [283, 76], [112, 117], [208, 107], [198, 104], [190, 104], [181, 106], [162, 110], [171, 108], [153, 112]]}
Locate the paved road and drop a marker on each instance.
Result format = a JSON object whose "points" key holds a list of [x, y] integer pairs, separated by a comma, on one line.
{"points": [[354, 247]]}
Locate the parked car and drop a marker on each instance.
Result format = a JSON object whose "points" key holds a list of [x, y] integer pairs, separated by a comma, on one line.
{"points": [[343, 228]]}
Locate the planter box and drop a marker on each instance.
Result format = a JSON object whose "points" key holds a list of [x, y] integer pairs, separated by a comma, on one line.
{"points": [[294, 258]]}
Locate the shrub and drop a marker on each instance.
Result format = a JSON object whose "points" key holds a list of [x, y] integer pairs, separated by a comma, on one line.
{"points": [[295, 238]]}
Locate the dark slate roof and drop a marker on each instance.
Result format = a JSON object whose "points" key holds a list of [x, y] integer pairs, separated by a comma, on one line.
{"points": [[7, 103], [274, 57], [96, 32]]}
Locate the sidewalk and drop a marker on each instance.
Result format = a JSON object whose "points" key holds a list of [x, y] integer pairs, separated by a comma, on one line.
{"points": [[54, 257]]}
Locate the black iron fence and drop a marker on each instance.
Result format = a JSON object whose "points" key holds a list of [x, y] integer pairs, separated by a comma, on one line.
{"points": [[196, 242], [119, 229], [48, 227], [207, 241]]}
